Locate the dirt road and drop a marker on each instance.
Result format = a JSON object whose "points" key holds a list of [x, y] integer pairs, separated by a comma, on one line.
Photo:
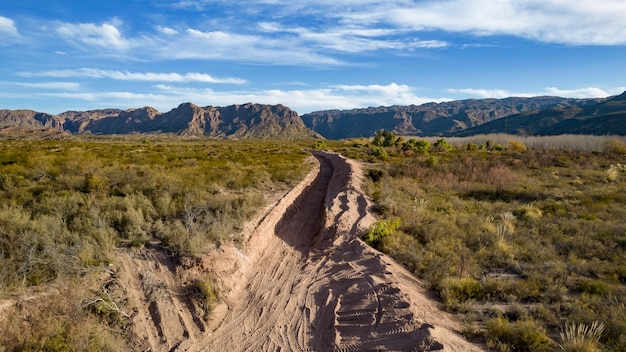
{"points": [[309, 284]]}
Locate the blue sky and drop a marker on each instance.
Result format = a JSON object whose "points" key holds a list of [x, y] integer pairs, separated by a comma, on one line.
{"points": [[309, 55]]}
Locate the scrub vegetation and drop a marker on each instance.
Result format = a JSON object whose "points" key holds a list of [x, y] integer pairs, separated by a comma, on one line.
{"points": [[66, 205], [526, 244]]}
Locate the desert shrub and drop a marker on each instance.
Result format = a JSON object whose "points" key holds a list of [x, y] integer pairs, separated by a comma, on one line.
{"points": [[378, 152], [593, 287], [385, 138], [59, 325], [498, 148], [501, 177], [521, 335], [471, 146], [432, 161], [582, 337], [209, 295], [442, 145], [319, 145], [528, 212], [459, 290], [380, 230], [614, 146], [403, 248], [516, 146], [375, 174], [419, 146]]}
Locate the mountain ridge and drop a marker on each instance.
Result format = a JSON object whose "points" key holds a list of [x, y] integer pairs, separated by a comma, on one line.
{"points": [[239, 121], [431, 118], [605, 117], [513, 115]]}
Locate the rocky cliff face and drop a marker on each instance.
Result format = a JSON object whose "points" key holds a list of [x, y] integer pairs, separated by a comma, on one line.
{"points": [[604, 118], [28, 119], [428, 119], [235, 121]]}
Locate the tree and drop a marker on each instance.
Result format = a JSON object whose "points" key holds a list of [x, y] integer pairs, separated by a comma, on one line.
{"points": [[442, 145], [419, 146], [385, 138]]}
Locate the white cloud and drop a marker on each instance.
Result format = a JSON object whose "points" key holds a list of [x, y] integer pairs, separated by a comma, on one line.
{"points": [[106, 36], [581, 93], [572, 22], [7, 27], [222, 45], [49, 85], [482, 93], [165, 97], [577, 22], [135, 76], [166, 30], [588, 92], [353, 39], [304, 100]]}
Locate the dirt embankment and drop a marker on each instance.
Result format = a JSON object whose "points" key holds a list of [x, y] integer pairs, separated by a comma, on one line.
{"points": [[305, 281]]}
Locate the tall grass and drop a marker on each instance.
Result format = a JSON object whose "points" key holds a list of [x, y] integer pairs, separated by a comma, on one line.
{"points": [[582, 337]]}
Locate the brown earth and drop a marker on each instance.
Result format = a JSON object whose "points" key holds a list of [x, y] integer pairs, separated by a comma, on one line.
{"points": [[301, 281]]}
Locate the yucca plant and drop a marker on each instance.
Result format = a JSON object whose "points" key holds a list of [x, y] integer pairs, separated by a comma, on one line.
{"points": [[582, 337]]}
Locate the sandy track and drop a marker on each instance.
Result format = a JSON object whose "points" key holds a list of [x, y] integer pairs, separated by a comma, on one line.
{"points": [[302, 281], [309, 284]]}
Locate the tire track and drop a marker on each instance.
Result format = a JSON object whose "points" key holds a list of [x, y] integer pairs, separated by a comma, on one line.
{"points": [[312, 285]]}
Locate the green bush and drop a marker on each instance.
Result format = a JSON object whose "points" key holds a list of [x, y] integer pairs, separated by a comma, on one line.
{"points": [[593, 287], [521, 335], [516, 146], [459, 290], [443, 146], [385, 138], [379, 152], [432, 161], [420, 146], [319, 145], [380, 230]]}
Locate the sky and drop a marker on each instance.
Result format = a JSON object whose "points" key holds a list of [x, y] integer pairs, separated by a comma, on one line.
{"points": [[309, 55]]}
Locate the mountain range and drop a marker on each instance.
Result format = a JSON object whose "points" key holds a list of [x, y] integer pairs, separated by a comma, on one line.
{"points": [[235, 121], [527, 116], [603, 118]]}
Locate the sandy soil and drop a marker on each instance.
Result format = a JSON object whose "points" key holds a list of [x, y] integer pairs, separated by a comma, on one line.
{"points": [[301, 281], [309, 283]]}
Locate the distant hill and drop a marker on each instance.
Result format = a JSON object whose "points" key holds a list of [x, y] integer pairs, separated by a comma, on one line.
{"points": [[526, 116], [603, 118], [235, 121], [429, 119]]}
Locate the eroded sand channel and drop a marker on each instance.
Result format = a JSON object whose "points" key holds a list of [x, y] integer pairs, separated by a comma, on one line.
{"points": [[312, 285]]}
